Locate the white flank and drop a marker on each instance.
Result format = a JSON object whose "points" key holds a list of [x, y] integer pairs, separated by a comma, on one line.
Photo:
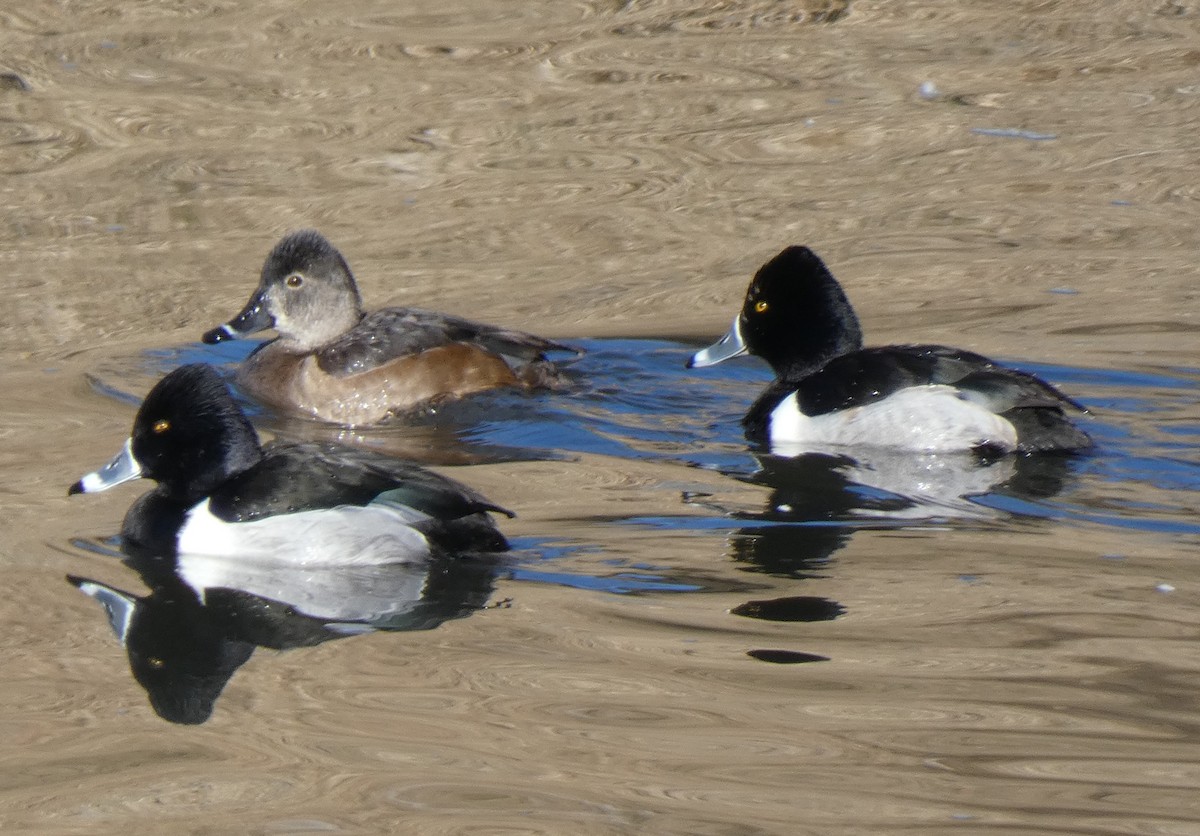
{"points": [[348, 535], [929, 419]]}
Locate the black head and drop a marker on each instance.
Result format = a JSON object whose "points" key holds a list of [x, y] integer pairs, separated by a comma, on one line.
{"points": [[796, 316], [189, 434]]}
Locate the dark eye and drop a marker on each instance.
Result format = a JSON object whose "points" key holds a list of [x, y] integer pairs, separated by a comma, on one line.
{"points": [[760, 306], [294, 280]]}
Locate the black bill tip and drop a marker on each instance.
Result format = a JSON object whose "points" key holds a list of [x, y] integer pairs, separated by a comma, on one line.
{"points": [[216, 335]]}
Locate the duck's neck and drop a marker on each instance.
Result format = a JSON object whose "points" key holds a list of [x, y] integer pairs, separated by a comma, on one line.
{"points": [[813, 356], [320, 332], [817, 333], [208, 469]]}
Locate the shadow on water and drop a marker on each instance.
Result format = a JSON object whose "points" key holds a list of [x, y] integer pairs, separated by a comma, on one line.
{"points": [[634, 401]]}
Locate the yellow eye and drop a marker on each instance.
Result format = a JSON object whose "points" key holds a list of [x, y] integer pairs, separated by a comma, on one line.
{"points": [[161, 426], [294, 280], [155, 662], [760, 306]]}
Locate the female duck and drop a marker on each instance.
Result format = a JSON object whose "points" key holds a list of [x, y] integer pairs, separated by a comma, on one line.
{"points": [[830, 391], [220, 493], [333, 361]]}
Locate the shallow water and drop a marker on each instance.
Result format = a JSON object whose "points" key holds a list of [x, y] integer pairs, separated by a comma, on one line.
{"points": [[687, 638]]}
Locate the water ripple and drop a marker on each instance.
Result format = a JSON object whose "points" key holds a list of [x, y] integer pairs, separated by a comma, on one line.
{"points": [[660, 412]]}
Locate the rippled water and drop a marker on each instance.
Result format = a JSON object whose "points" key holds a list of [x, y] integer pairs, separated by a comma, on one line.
{"points": [[633, 400], [688, 638]]}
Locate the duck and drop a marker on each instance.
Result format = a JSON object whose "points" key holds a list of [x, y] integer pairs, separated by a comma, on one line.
{"points": [[222, 493], [334, 361], [831, 392]]}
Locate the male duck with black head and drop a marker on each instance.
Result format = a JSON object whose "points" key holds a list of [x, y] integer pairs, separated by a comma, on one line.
{"points": [[333, 361], [221, 493], [830, 391]]}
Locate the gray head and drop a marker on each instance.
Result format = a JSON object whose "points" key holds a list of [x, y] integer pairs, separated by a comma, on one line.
{"points": [[306, 293]]}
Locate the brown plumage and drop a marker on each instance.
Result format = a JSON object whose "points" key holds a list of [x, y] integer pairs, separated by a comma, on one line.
{"points": [[335, 362]]}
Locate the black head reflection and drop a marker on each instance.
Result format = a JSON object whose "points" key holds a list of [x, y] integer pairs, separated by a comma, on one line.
{"points": [[178, 654], [204, 617]]}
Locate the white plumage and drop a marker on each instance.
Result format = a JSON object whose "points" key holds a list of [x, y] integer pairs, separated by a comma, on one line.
{"points": [[348, 535], [931, 419]]}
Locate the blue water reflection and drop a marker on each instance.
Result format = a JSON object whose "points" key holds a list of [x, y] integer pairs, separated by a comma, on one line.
{"points": [[634, 400]]}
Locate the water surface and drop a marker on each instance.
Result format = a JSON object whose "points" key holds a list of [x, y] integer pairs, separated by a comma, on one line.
{"points": [[688, 638]]}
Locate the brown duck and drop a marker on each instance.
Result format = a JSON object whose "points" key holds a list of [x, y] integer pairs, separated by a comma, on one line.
{"points": [[336, 362]]}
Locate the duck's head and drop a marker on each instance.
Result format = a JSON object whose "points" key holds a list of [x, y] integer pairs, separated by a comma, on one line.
{"points": [[189, 436], [306, 293], [796, 317]]}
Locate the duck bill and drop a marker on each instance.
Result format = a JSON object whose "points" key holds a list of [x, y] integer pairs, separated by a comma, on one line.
{"points": [[123, 468], [730, 345], [120, 607], [254, 317]]}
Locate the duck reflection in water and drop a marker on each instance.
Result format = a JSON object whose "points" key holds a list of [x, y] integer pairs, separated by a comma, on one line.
{"points": [[818, 500], [204, 616], [279, 545]]}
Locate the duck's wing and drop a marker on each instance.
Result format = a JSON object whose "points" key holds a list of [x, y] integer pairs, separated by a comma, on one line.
{"points": [[1002, 389], [1034, 407], [306, 477], [390, 333], [870, 374]]}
